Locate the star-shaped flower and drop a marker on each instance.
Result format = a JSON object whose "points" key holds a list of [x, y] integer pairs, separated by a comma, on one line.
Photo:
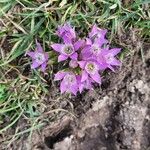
{"points": [[39, 57], [90, 69], [69, 82]]}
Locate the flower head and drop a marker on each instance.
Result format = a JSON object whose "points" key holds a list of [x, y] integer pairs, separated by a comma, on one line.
{"points": [[67, 50], [98, 34], [108, 57], [39, 57], [66, 32], [87, 84], [90, 69], [68, 83], [91, 49]]}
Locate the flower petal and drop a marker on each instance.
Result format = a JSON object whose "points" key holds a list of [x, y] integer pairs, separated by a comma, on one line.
{"points": [[88, 41], [62, 57], [43, 66], [116, 62], [66, 39], [84, 76], [115, 51], [78, 44], [74, 56], [59, 75], [31, 54], [46, 56], [86, 53], [96, 77], [82, 64], [57, 47], [39, 47], [35, 65], [63, 87], [81, 87], [74, 89]]}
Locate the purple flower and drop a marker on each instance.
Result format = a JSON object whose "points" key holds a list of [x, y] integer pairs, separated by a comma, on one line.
{"points": [[98, 34], [66, 32], [91, 49], [39, 57], [87, 84], [108, 57], [69, 82], [90, 69], [67, 50]]}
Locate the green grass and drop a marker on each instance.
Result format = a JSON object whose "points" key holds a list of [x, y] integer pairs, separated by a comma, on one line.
{"points": [[23, 91]]}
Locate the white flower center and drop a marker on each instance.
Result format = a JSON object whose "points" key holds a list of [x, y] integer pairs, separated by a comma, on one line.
{"points": [[70, 79], [91, 68], [95, 49], [40, 58], [68, 50]]}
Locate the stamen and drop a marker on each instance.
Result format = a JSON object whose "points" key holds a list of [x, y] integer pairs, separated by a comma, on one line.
{"points": [[68, 50], [70, 79], [91, 68], [40, 58]]}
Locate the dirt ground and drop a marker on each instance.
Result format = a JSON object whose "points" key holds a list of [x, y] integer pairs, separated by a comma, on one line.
{"points": [[116, 116]]}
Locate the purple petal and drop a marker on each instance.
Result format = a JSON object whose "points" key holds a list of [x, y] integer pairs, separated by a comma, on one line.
{"points": [[66, 32], [78, 44], [66, 39], [43, 66], [62, 58], [35, 65], [31, 54], [59, 75], [102, 62], [86, 53], [93, 31], [46, 56], [58, 47], [63, 87], [115, 51], [74, 56], [39, 47], [80, 84], [88, 41], [96, 77], [74, 89], [84, 76], [88, 84], [116, 62], [101, 41], [81, 87], [82, 64]]}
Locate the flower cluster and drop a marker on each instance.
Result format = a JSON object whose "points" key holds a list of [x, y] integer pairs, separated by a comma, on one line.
{"points": [[87, 58]]}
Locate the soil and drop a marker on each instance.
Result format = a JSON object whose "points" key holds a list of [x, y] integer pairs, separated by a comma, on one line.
{"points": [[116, 116]]}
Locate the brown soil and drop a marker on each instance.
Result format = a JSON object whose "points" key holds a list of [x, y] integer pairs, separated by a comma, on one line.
{"points": [[113, 117]]}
